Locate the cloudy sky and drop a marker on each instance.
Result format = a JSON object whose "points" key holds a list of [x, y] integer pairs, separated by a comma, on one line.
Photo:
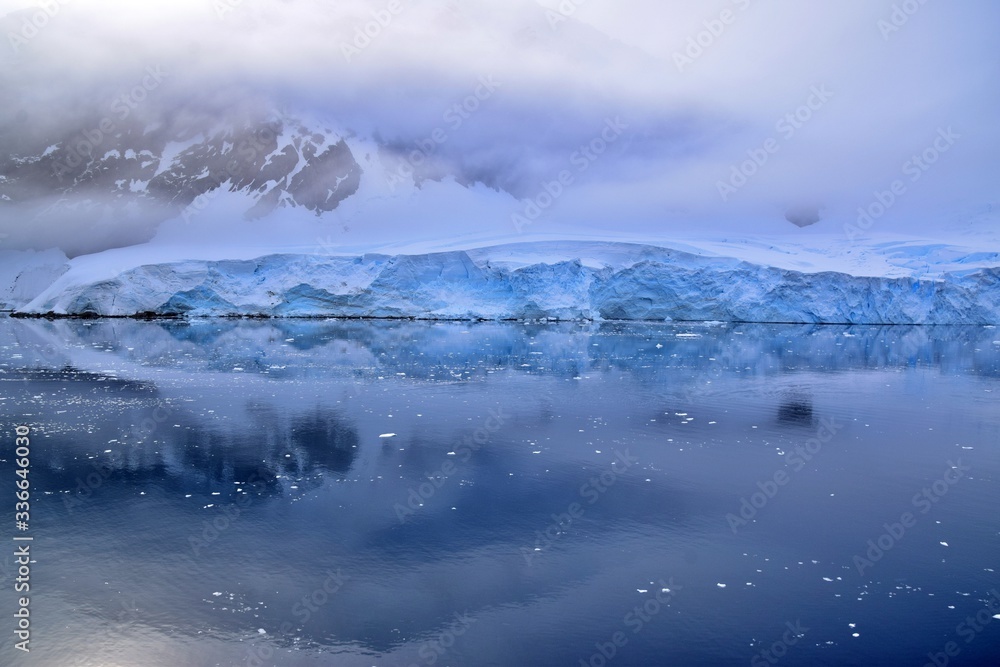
{"points": [[715, 116]]}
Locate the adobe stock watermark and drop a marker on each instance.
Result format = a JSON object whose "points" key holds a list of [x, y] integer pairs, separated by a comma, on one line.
{"points": [[924, 501], [433, 649], [714, 28], [470, 444], [121, 108], [453, 117], [7, 570], [86, 487], [365, 35], [786, 126], [129, 615], [563, 12], [900, 16], [635, 620], [769, 488], [918, 164], [259, 655], [582, 158], [33, 25], [591, 490], [968, 629], [326, 246], [224, 7], [248, 150], [227, 515], [773, 654]]}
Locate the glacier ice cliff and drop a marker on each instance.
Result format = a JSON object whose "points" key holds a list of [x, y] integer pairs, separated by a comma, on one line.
{"points": [[568, 281]]}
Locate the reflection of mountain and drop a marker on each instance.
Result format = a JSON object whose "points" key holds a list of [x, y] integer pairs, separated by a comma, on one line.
{"points": [[139, 435], [313, 441], [796, 411]]}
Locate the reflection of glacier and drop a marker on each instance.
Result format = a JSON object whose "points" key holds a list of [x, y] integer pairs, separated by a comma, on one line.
{"points": [[298, 404], [612, 281], [127, 367], [454, 352]]}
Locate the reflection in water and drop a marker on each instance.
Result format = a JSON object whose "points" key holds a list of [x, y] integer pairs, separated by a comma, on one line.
{"points": [[225, 492], [796, 411]]}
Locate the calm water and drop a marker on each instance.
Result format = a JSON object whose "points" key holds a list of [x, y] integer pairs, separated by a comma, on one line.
{"points": [[219, 493]]}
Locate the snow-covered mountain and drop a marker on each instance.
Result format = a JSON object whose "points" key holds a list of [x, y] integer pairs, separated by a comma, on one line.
{"points": [[175, 139], [557, 280], [472, 160], [165, 169]]}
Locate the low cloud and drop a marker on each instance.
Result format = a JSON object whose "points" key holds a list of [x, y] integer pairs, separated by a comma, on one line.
{"points": [[392, 70]]}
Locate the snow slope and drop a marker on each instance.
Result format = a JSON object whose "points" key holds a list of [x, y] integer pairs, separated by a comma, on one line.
{"points": [[26, 274], [556, 280]]}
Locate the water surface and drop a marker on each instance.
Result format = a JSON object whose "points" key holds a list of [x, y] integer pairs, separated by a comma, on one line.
{"points": [[219, 492]]}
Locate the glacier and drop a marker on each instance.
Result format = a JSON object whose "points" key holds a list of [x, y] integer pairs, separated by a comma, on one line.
{"points": [[26, 274], [578, 280]]}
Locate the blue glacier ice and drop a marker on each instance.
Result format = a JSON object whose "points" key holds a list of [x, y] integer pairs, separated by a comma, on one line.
{"points": [[562, 281]]}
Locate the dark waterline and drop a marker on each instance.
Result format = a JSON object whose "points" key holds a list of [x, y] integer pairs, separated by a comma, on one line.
{"points": [[545, 484]]}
